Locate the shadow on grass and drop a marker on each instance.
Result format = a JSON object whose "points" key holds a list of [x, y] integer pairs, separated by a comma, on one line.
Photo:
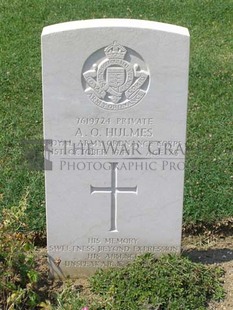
{"points": [[211, 256]]}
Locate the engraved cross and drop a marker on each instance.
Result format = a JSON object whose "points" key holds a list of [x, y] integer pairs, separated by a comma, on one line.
{"points": [[114, 189]]}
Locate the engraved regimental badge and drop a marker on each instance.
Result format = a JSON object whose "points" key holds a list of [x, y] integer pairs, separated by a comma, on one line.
{"points": [[115, 77]]}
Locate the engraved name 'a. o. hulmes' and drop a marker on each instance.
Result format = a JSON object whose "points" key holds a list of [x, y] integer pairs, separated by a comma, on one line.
{"points": [[118, 80]]}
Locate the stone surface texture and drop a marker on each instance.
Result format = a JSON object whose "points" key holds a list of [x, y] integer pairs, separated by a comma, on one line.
{"points": [[115, 104]]}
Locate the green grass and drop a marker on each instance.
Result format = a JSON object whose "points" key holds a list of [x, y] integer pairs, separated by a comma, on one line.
{"points": [[168, 283], [208, 175]]}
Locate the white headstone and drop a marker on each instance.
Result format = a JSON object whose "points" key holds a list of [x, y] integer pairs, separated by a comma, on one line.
{"points": [[115, 102]]}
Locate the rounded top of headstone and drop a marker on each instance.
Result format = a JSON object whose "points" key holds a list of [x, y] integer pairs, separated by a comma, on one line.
{"points": [[114, 22]]}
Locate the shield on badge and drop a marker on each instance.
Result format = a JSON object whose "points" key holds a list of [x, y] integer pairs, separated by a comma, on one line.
{"points": [[115, 76]]}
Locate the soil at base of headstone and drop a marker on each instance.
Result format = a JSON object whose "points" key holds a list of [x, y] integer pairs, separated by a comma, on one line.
{"points": [[213, 250]]}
